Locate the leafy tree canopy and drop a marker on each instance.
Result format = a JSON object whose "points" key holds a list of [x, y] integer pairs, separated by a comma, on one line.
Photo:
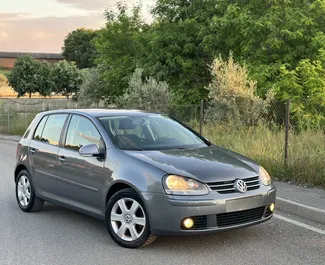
{"points": [[31, 76], [67, 78], [79, 47], [118, 47]]}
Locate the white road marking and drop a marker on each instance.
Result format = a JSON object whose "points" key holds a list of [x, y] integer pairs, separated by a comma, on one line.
{"points": [[309, 227]]}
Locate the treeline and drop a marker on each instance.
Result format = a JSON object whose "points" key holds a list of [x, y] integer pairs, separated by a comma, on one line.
{"points": [[280, 42], [30, 76]]}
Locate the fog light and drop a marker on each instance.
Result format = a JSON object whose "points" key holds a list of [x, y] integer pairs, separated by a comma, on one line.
{"points": [[272, 206], [188, 223]]}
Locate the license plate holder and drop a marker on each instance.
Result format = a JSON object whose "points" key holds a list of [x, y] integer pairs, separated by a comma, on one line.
{"points": [[242, 204]]}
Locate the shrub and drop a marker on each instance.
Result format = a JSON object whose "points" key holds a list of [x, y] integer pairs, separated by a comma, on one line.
{"points": [[232, 95], [91, 90], [3, 80], [145, 94]]}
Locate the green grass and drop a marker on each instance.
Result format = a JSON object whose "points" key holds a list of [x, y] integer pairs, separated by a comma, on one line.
{"points": [[266, 146], [5, 71]]}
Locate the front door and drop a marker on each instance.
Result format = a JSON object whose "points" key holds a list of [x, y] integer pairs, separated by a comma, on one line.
{"points": [[81, 179]]}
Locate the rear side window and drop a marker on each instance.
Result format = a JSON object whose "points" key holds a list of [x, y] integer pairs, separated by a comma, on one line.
{"points": [[50, 128], [40, 128]]}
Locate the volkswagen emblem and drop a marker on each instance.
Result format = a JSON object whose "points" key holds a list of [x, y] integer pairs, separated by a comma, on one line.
{"points": [[240, 185]]}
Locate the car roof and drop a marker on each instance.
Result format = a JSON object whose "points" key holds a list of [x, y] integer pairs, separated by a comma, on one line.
{"points": [[100, 112]]}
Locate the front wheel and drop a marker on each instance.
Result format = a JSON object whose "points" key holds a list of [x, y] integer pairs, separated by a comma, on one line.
{"points": [[25, 193], [127, 221]]}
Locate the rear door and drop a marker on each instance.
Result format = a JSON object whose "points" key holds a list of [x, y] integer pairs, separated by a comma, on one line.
{"points": [[43, 150], [81, 179]]}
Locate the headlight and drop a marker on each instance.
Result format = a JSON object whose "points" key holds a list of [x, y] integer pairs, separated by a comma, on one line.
{"points": [[178, 185], [265, 177]]}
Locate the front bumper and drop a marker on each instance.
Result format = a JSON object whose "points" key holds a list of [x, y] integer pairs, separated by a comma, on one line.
{"points": [[211, 213]]}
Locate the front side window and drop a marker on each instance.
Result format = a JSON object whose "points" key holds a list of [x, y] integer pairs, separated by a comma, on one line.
{"points": [[53, 128], [81, 132], [150, 132]]}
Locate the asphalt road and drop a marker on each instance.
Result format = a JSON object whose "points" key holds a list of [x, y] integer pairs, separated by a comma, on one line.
{"points": [[59, 236]]}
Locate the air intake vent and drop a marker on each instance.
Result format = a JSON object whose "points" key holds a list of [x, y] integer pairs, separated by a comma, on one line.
{"points": [[240, 217]]}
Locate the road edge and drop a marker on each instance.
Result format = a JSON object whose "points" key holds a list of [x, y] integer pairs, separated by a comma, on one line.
{"points": [[9, 139], [301, 210]]}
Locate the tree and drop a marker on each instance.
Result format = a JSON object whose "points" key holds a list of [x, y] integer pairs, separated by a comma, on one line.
{"points": [[232, 95], [119, 48], [305, 87], [145, 93], [91, 90], [175, 49], [31, 76], [269, 35], [67, 78], [79, 47]]}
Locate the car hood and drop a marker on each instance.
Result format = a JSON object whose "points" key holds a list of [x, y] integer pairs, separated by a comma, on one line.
{"points": [[208, 164]]}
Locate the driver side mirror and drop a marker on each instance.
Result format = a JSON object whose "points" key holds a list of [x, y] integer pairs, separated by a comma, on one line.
{"points": [[90, 150]]}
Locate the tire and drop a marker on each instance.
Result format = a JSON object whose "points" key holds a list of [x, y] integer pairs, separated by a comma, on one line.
{"points": [[127, 221], [25, 189]]}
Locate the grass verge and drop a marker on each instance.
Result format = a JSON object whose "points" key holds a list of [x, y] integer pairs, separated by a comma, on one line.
{"points": [[266, 146], [5, 71]]}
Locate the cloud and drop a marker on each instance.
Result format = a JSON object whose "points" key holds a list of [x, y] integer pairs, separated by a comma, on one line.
{"points": [[103, 4], [19, 33], [3, 34]]}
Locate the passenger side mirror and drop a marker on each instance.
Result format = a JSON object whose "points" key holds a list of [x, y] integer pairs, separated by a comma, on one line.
{"points": [[90, 150]]}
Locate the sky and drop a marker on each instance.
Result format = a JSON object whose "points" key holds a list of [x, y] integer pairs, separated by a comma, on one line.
{"points": [[41, 25]]}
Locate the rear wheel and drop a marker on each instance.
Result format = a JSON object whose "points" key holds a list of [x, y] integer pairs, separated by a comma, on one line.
{"points": [[25, 193], [127, 221]]}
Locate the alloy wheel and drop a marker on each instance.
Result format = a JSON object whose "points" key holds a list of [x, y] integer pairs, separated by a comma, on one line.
{"points": [[128, 219], [23, 191]]}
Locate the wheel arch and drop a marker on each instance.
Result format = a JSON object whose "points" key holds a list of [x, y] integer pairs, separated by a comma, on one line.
{"points": [[18, 169], [120, 185]]}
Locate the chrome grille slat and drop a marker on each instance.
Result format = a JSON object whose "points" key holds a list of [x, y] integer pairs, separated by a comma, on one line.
{"points": [[251, 181], [225, 187], [251, 186]]}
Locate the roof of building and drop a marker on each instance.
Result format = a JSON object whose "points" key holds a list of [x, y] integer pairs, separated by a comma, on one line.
{"points": [[53, 56]]}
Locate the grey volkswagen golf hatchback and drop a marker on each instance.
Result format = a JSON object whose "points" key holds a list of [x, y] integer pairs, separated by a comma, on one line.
{"points": [[145, 174]]}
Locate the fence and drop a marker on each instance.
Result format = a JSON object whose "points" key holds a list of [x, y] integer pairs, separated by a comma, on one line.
{"points": [[270, 139]]}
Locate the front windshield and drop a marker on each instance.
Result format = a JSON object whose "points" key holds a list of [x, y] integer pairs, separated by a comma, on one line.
{"points": [[149, 132]]}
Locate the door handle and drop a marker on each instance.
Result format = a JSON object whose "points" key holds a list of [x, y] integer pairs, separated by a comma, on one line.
{"points": [[33, 151], [62, 159]]}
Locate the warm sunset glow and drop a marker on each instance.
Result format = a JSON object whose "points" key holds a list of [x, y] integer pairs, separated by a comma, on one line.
{"points": [[41, 25]]}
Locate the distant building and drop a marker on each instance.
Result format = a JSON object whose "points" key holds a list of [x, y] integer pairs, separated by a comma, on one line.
{"points": [[7, 59]]}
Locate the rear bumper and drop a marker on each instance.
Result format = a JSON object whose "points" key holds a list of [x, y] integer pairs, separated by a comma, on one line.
{"points": [[211, 213]]}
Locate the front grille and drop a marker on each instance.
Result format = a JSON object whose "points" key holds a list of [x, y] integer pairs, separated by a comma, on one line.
{"points": [[200, 223], [224, 187], [240, 217]]}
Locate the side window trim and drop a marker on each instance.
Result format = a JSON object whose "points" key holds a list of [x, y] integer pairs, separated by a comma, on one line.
{"points": [[64, 139], [64, 132]]}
